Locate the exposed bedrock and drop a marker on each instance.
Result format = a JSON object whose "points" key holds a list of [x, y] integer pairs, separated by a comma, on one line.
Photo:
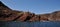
{"points": [[7, 14]]}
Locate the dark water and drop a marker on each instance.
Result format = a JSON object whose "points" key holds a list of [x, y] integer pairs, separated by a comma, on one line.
{"points": [[29, 24]]}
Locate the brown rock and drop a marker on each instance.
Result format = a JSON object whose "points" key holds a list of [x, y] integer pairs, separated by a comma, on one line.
{"points": [[44, 17], [25, 17], [35, 18], [6, 14], [4, 10], [55, 16]]}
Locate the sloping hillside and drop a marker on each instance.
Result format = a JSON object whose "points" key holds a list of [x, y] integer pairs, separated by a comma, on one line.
{"points": [[7, 14]]}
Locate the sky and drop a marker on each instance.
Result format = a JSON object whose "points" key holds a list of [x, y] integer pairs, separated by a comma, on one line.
{"points": [[34, 6]]}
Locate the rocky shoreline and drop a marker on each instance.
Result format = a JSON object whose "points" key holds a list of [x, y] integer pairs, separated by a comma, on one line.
{"points": [[7, 14]]}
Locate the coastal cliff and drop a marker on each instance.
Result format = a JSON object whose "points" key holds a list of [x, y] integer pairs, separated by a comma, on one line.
{"points": [[7, 14]]}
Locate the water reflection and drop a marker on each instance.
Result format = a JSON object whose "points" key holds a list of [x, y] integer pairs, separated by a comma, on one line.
{"points": [[29, 24]]}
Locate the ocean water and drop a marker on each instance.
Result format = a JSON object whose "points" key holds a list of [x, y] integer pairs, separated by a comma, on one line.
{"points": [[29, 24]]}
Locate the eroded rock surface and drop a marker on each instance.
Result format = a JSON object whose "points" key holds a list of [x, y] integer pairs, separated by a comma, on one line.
{"points": [[7, 14]]}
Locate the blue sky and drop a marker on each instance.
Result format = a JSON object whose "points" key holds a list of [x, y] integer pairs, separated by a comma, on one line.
{"points": [[34, 6]]}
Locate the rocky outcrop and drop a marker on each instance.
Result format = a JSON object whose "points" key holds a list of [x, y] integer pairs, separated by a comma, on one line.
{"points": [[55, 16], [7, 14]]}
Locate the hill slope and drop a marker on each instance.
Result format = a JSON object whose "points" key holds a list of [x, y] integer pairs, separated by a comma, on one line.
{"points": [[7, 14]]}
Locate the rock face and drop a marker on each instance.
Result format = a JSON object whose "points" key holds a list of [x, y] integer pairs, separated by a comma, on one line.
{"points": [[55, 16], [7, 14]]}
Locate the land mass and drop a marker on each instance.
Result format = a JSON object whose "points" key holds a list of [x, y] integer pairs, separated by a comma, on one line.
{"points": [[7, 14]]}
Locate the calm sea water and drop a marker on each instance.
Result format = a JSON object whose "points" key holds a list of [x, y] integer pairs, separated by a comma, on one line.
{"points": [[29, 24]]}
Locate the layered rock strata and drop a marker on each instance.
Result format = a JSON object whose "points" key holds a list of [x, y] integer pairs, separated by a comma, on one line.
{"points": [[7, 14]]}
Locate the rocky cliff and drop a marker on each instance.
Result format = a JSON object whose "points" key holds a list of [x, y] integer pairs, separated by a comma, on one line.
{"points": [[7, 14]]}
